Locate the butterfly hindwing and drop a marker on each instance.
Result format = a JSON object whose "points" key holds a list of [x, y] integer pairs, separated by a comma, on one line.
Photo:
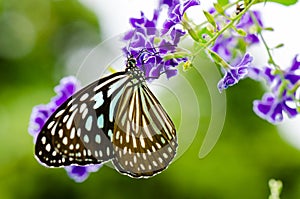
{"points": [[144, 136], [80, 130]]}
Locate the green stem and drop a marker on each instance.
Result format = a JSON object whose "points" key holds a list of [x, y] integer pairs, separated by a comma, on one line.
{"points": [[271, 60], [282, 87], [294, 89]]}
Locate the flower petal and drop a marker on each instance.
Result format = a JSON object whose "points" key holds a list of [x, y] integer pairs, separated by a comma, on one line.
{"points": [[226, 81], [295, 64], [189, 3], [234, 74], [246, 60], [264, 107], [80, 173]]}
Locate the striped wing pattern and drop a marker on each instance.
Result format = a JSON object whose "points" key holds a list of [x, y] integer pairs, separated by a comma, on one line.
{"points": [[114, 118], [144, 136]]}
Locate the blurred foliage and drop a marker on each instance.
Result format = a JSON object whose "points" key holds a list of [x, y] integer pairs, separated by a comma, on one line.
{"points": [[37, 36], [248, 154], [283, 2]]}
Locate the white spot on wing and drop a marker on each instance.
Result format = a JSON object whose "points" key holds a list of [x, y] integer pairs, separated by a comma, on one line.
{"points": [[65, 118], [73, 107], [85, 112], [98, 98], [142, 142], [70, 120], [50, 124], [82, 107], [60, 133], [43, 140], [84, 97], [59, 113], [100, 121], [86, 138], [48, 147], [88, 123], [98, 139], [110, 134], [65, 141], [72, 133], [53, 129], [107, 151]]}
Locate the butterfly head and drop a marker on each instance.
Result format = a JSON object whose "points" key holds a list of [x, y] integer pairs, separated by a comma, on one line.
{"points": [[131, 62], [134, 71]]}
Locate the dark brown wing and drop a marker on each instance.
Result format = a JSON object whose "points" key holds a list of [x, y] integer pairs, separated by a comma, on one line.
{"points": [[144, 138]]}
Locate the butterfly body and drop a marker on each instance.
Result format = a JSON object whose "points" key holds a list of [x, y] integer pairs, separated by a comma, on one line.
{"points": [[116, 118]]}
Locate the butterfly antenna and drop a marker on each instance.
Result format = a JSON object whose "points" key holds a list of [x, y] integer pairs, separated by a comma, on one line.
{"points": [[129, 44]]}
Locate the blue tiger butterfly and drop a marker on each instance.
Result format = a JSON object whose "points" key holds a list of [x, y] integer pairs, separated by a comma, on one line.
{"points": [[116, 118]]}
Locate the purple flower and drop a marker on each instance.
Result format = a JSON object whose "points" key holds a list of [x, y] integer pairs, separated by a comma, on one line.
{"points": [[224, 45], [150, 45], [230, 45], [271, 108], [233, 74], [38, 118], [80, 173], [176, 11], [41, 113], [281, 98], [247, 23]]}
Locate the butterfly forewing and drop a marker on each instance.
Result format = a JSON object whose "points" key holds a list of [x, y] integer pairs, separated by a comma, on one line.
{"points": [[144, 136], [80, 130]]}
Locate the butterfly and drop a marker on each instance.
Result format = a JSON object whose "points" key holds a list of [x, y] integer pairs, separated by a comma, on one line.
{"points": [[116, 118]]}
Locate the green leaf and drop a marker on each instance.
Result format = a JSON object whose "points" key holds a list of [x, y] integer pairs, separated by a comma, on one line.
{"points": [[279, 46], [283, 2], [219, 8], [223, 2], [176, 55], [241, 32], [268, 29], [210, 18], [217, 59]]}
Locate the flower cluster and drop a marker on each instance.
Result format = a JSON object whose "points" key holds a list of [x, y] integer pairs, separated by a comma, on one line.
{"points": [[282, 97], [151, 44], [230, 45], [40, 114]]}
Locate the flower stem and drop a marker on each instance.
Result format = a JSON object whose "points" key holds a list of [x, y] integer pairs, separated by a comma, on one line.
{"points": [[271, 60]]}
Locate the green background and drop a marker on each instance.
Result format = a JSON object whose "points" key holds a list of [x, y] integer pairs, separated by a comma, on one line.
{"points": [[35, 39]]}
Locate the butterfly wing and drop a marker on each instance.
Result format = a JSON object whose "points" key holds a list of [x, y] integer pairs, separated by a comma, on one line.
{"points": [[80, 130], [144, 138]]}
